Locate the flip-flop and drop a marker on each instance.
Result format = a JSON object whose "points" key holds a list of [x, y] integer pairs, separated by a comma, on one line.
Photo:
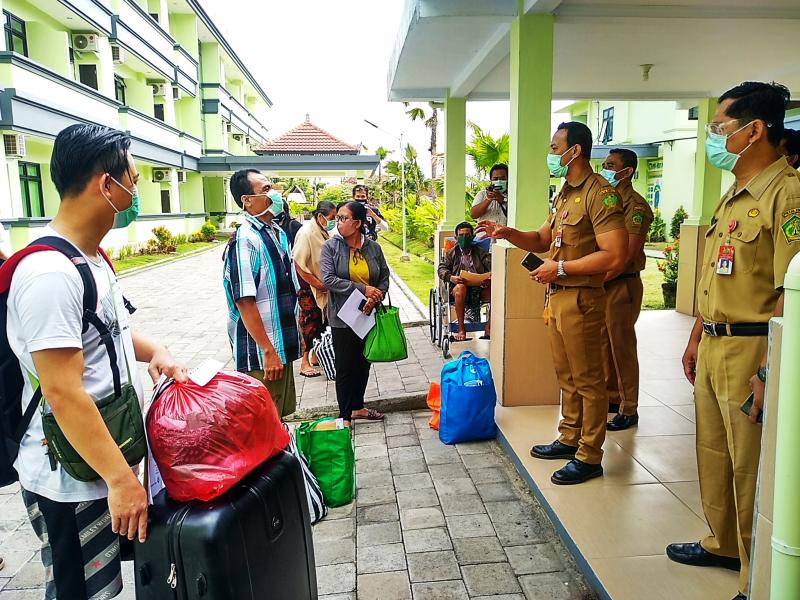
{"points": [[372, 415], [484, 337], [310, 374], [2, 564]]}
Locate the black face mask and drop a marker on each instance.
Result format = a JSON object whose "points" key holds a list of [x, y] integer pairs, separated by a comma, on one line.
{"points": [[362, 200]]}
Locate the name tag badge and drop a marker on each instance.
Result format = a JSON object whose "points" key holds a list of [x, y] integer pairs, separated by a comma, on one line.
{"points": [[559, 237], [725, 260]]}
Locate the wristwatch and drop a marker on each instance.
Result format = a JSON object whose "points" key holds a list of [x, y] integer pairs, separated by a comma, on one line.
{"points": [[562, 274], [762, 374]]}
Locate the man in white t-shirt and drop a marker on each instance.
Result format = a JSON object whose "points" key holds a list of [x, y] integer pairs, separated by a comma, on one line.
{"points": [[491, 204], [79, 522]]}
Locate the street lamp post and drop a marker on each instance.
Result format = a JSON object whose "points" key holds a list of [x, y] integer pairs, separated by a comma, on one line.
{"points": [[404, 256]]}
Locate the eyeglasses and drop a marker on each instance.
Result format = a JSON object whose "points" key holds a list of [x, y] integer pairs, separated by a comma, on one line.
{"points": [[719, 128], [344, 218]]}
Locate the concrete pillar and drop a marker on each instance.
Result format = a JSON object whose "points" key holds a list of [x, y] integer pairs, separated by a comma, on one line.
{"points": [[707, 187], [520, 349], [455, 165]]}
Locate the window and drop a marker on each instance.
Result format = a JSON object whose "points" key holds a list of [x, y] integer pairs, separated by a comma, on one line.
{"points": [[158, 111], [30, 179], [16, 37], [694, 113], [165, 203], [119, 89], [87, 74], [154, 16], [607, 130]]}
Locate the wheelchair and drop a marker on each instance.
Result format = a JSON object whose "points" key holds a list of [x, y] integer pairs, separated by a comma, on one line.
{"points": [[442, 319]]}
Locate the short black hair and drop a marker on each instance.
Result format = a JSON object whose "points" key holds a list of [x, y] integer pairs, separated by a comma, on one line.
{"points": [[464, 225], [360, 187], [759, 100], [241, 186], [791, 139], [324, 207], [359, 212], [498, 167], [628, 157], [82, 151], [578, 134]]}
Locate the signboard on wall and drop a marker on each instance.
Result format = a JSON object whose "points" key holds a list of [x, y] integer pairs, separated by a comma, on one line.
{"points": [[655, 172]]}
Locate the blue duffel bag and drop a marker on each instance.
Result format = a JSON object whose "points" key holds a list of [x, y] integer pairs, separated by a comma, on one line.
{"points": [[468, 400]]}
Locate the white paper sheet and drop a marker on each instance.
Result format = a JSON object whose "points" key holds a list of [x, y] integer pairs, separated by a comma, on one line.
{"points": [[360, 323], [205, 371]]}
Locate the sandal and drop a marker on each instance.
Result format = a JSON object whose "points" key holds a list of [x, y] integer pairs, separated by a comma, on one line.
{"points": [[311, 373], [461, 336], [372, 415]]}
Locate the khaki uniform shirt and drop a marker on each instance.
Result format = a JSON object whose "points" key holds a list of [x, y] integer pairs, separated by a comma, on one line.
{"points": [[581, 213], [764, 219], [638, 218]]}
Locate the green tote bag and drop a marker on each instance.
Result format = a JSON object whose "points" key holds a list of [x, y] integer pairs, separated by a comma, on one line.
{"points": [[332, 460], [386, 342]]}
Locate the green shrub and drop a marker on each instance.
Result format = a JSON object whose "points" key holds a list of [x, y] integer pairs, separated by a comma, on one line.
{"points": [[208, 232], [675, 225], [658, 230], [163, 238], [181, 239]]}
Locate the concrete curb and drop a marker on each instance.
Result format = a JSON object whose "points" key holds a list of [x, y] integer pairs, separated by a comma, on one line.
{"points": [[654, 254], [166, 261], [398, 281], [401, 402]]}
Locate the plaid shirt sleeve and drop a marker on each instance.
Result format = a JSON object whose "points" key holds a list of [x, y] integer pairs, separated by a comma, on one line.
{"points": [[243, 269]]}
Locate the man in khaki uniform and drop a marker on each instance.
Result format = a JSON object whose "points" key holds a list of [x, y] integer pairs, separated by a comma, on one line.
{"points": [[586, 237], [624, 294], [754, 234]]}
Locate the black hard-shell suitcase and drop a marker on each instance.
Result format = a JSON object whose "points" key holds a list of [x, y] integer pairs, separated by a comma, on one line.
{"points": [[252, 543]]}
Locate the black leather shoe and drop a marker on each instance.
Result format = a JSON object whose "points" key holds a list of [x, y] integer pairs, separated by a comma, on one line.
{"points": [[613, 408], [576, 471], [620, 422], [554, 451], [740, 597], [697, 556]]}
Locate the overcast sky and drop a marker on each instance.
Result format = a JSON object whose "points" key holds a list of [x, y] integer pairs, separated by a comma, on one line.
{"points": [[330, 59]]}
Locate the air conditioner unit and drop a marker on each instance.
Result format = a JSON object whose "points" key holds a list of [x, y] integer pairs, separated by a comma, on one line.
{"points": [[181, 176], [177, 92], [117, 54], [159, 89], [238, 137], [161, 175], [85, 42], [14, 145]]}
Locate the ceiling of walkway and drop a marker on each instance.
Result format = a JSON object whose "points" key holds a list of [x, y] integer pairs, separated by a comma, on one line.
{"points": [[698, 48]]}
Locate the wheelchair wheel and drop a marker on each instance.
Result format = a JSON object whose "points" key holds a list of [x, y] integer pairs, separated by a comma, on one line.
{"points": [[432, 314], [446, 347]]}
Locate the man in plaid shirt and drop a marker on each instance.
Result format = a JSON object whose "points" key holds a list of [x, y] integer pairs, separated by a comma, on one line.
{"points": [[261, 288]]}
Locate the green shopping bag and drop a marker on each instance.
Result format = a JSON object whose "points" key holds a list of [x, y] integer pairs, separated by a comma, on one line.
{"points": [[386, 342], [332, 459]]}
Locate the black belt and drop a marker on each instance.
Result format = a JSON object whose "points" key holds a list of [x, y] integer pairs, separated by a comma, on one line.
{"points": [[555, 286], [627, 276], [736, 329]]}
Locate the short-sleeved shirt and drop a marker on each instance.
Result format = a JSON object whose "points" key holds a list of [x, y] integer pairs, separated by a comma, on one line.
{"points": [[495, 212], [638, 218], [581, 213], [762, 223], [45, 310], [259, 265], [372, 224]]}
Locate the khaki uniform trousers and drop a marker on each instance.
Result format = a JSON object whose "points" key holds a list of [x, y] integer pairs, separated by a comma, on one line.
{"points": [[620, 357], [728, 445], [575, 324], [282, 390]]}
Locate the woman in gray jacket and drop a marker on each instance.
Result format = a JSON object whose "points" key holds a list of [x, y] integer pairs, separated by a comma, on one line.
{"points": [[350, 260]]}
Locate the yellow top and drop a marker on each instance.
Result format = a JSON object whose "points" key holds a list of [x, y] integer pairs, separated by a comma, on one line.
{"points": [[359, 268], [762, 223], [580, 213]]}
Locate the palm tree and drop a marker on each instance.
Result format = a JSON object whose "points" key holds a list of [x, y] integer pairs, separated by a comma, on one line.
{"points": [[432, 123], [381, 153], [486, 151]]}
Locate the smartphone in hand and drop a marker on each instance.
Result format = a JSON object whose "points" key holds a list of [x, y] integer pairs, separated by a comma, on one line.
{"points": [[748, 404], [532, 262]]}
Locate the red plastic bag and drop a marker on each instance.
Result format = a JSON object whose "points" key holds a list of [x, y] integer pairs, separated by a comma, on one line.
{"points": [[206, 439], [435, 404]]}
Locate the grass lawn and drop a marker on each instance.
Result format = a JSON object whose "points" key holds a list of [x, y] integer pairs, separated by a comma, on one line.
{"points": [[135, 261], [417, 273], [657, 245], [414, 246], [652, 279]]}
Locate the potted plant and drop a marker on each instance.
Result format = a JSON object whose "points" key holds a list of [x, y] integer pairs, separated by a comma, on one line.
{"points": [[669, 267]]}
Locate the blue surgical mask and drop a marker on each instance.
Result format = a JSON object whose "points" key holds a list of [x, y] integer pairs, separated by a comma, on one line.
{"points": [[277, 205], [555, 166], [611, 176], [717, 150], [123, 218]]}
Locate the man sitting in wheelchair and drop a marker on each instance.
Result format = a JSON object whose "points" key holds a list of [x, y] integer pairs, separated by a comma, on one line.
{"points": [[466, 256]]}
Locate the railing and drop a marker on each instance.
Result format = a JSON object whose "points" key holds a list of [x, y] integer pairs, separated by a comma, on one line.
{"points": [[140, 34], [240, 116], [188, 69], [97, 12], [149, 129], [192, 145]]}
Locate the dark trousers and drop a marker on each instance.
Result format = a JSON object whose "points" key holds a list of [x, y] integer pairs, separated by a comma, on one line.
{"points": [[352, 371]]}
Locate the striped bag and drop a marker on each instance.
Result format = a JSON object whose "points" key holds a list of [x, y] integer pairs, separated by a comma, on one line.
{"points": [[316, 505], [323, 349]]}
